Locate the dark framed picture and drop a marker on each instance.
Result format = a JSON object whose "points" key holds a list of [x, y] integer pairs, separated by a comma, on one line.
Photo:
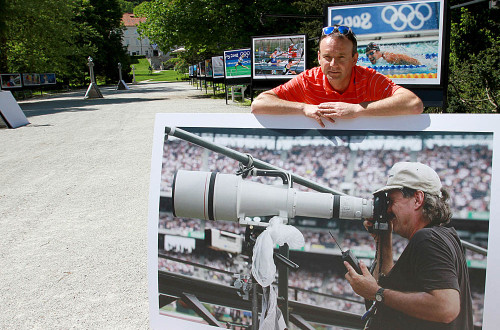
{"points": [[208, 68], [11, 80], [48, 79], [31, 79], [218, 66], [237, 63], [278, 57], [404, 40]]}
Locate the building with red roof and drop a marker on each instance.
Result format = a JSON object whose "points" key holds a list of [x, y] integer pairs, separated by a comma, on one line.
{"points": [[135, 43]]}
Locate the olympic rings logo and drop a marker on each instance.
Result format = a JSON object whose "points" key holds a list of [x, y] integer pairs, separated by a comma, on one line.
{"points": [[406, 15]]}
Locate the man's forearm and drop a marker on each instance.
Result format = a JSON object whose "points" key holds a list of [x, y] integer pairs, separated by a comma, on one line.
{"points": [[270, 104], [403, 102], [437, 305]]}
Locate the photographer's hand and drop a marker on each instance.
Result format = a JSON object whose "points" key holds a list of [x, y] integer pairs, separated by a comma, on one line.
{"points": [[364, 285], [368, 224], [384, 245]]}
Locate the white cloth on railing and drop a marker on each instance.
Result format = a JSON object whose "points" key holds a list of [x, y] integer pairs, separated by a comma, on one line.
{"points": [[271, 317], [277, 233]]}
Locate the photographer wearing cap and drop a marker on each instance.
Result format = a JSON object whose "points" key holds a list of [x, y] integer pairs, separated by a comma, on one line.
{"points": [[428, 286], [338, 88]]}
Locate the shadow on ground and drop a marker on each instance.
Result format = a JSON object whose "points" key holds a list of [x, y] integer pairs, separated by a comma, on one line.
{"points": [[56, 106], [74, 100]]}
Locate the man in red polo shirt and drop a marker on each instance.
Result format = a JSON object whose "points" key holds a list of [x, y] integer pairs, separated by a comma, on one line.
{"points": [[338, 88]]}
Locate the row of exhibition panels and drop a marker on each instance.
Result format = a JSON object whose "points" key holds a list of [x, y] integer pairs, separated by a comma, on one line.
{"points": [[12, 81], [271, 58]]}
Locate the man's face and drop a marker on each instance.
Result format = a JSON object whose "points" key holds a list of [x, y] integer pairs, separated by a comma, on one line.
{"points": [[374, 55], [400, 211], [336, 61]]}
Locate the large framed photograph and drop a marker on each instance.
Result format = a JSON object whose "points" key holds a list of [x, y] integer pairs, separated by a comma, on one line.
{"points": [[218, 66], [31, 79], [278, 57], [48, 79], [201, 66], [208, 68], [404, 40], [237, 63], [187, 264], [11, 80]]}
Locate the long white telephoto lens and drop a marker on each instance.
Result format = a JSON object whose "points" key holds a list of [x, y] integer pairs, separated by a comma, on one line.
{"points": [[218, 196]]}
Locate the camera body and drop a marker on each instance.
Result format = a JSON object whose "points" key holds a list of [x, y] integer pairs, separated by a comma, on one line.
{"points": [[380, 216]]}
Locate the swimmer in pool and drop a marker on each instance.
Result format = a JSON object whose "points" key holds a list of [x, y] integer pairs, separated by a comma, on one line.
{"points": [[374, 54]]}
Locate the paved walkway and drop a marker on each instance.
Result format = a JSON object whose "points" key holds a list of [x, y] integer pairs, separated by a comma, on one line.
{"points": [[73, 206]]}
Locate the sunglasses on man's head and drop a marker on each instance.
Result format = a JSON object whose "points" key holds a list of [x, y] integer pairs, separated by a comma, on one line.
{"points": [[341, 29]]}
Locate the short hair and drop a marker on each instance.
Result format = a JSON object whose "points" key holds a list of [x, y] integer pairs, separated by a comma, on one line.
{"points": [[372, 46], [350, 36], [436, 209]]}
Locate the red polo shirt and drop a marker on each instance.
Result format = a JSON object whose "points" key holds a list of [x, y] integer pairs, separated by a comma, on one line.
{"points": [[312, 87]]}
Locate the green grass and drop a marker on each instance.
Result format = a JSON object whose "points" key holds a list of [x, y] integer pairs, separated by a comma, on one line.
{"points": [[142, 73], [241, 71]]}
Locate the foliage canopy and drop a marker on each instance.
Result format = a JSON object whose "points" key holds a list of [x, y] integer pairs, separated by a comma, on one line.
{"points": [[59, 35]]}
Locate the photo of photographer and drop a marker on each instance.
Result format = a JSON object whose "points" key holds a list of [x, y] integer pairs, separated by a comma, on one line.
{"points": [[353, 163]]}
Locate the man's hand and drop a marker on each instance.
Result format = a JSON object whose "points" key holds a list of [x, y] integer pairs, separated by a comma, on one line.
{"points": [[339, 110], [364, 285], [313, 111], [268, 103]]}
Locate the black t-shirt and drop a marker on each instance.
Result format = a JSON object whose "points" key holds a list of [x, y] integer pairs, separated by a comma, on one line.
{"points": [[433, 259]]}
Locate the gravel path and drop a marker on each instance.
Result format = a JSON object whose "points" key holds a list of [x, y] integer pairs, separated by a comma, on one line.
{"points": [[73, 206]]}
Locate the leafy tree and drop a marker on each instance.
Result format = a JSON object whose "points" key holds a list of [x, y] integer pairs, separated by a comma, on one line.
{"points": [[102, 31], [37, 35], [3, 33], [474, 62], [58, 36], [127, 6], [207, 27]]}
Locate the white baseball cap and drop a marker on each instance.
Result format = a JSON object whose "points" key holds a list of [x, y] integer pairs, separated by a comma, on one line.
{"points": [[415, 176]]}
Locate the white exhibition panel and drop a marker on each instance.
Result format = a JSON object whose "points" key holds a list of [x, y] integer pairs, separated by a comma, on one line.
{"points": [[11, 111], [416, 123]]}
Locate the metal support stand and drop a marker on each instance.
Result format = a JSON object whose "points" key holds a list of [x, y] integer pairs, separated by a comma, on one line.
{"points": [[133, 75], [197, 306], [255, 307], [121, 84], [300, 322], [93, 91], [283, 282], [165, 300], [225, 91]]}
